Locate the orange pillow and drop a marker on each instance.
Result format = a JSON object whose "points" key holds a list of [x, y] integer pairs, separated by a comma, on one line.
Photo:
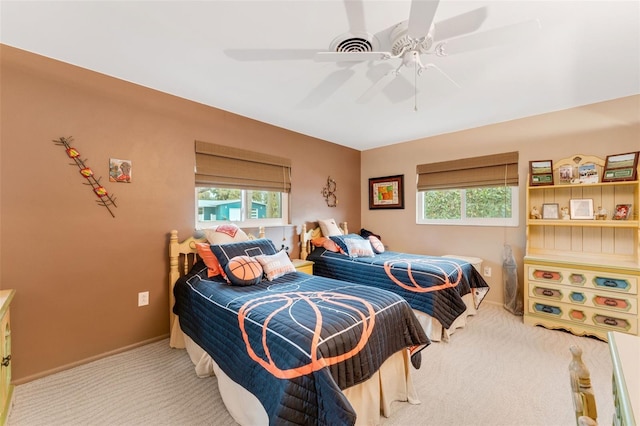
{"points": [[209, 259], [327, 243]]}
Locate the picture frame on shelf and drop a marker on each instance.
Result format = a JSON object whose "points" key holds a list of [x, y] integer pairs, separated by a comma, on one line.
{"points": [[386, 192], [621, 167], [622, 212], [550, 211], [581, 208], [541, 172], [566, 174], [588, 173]]}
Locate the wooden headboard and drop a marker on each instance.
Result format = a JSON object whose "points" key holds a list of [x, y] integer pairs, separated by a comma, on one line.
{"points": [[315, 232], [182, 256]]}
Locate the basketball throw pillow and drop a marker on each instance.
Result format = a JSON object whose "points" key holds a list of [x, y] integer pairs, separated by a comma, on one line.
{"points": [[243, 271]]}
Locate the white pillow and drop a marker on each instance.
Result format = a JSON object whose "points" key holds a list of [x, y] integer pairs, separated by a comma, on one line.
{"points": [[276, 265], [329, 227], [358, 248], [227, 233]]}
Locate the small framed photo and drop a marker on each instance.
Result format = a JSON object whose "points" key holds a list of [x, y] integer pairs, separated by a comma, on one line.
{"points": [[581, 208], [622, 212], [588, 173], [621, 167], [541, 172], [550, 211], [565, 174], [386, 192]]}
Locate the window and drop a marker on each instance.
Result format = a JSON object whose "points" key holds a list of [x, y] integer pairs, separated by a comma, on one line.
{"points": [[237, 185], [472, 191], [488, 206], [251, 207]]}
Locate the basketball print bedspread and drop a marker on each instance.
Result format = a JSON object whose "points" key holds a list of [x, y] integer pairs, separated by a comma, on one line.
{"points": [[431, 284], [296, 341]]}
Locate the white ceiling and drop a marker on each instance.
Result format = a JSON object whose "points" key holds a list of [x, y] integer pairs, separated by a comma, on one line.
{"points": [[585, 52]]}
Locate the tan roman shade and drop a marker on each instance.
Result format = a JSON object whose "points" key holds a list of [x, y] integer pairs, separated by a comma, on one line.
{"points": [[228, 167], [488, 170]]}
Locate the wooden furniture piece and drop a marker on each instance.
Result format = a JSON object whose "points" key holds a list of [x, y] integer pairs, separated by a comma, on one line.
{"points": [[582, 274], [625, 355], [584, 401], [305, 266], [6, 388]]}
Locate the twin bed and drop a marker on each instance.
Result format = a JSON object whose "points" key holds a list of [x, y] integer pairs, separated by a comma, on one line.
{"points": [[289, 347], [443, 291], [297, 349]]}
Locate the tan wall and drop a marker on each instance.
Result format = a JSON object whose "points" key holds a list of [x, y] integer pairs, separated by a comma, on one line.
{"points": [[600, 129], [77, 270]]}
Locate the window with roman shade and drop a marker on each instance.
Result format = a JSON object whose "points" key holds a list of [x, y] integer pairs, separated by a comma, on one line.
{"points": [[479, 191], [241, 186]]}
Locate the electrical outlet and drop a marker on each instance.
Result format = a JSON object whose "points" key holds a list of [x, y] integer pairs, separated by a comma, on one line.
{"points": [[143, 298], [487, 271]]}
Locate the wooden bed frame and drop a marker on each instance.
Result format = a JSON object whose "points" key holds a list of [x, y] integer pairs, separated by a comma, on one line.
{"points": [[182, 256]]}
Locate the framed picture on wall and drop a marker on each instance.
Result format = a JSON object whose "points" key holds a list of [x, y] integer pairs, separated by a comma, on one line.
{"points": [[386, 192]]}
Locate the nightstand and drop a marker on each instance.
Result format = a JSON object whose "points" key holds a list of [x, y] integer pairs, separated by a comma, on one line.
{"points": [[305, 266]]}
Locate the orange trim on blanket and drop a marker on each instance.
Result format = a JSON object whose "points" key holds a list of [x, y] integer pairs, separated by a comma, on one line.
{"points": [[311, 298], [416, 288]]}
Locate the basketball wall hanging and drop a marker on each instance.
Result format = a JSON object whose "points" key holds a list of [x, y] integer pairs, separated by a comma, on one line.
{"points": [[104, 199]]}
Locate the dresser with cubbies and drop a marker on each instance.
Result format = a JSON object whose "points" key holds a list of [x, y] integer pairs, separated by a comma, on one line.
{"points": [[582, 275]]}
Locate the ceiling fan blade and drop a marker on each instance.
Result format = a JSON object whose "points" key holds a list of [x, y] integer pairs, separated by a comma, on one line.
{"points": [[270, 54], [500, 36], [421, 17], [326, 88], [351, 56], [355, 16], [458, 25], [377, 87]]}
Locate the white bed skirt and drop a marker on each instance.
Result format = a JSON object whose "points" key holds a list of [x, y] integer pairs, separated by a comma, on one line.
{"points": [[369, 399], [433, 328]]}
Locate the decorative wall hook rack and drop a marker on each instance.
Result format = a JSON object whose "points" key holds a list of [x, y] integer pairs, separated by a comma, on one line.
{"points": [[104, 199], [329, 193]]}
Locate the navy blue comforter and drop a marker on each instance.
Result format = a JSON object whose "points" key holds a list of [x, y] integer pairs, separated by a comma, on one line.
{"points": [[297, 341], [431, 284]]}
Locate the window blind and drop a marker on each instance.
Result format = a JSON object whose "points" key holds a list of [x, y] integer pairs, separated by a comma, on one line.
{"points": [[488, 170], [229, 167]]}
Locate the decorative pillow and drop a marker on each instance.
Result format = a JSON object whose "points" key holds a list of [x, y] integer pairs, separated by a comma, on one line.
{"points": [[209, 259], [227, 233], [327, 244], [243, 270], [276, 265], [359, 248], [251, 248], [329, 227], [339, 240], [376, 244]]}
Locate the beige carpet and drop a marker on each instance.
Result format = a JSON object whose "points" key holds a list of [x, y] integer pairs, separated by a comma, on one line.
{"points": [[496, 371]]}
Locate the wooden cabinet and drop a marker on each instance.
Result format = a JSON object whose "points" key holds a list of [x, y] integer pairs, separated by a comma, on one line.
{"points": [[6, 388], [582, 275], [625, 353], [305, 266]]}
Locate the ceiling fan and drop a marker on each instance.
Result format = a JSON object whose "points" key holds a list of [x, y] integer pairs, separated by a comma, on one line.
{"points": [[407, 41]]}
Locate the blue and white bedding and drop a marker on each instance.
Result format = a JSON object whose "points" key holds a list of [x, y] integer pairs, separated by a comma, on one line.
{"points": [[431, 284], [297, 341]]}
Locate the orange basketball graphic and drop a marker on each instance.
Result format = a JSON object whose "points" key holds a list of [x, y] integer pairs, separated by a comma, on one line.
{"points": [[243, 270], [365, 314], [417, 288]]}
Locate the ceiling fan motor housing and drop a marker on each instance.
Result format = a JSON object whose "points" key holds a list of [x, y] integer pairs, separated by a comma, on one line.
{"points": [[401, 42]]}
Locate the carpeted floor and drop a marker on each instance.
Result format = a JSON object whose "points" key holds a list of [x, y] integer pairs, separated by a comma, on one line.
{"points": [[496, 371]]}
